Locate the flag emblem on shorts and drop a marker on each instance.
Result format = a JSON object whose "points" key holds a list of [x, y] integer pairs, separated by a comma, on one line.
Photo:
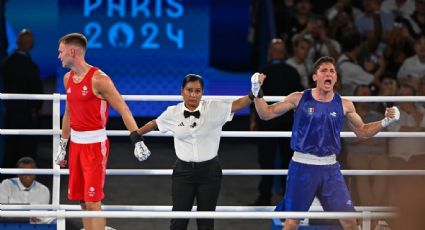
{"points": [[92, 191], [310, 110]]}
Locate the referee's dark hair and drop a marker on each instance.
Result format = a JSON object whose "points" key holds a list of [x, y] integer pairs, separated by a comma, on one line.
{"points": [[191, 78], [26, 160]]}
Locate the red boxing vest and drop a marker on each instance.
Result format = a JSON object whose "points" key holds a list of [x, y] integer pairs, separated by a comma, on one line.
{"points": [[86, 111]]}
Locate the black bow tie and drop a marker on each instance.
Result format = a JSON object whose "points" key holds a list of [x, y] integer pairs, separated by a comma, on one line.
{"points": [[187, 114]]}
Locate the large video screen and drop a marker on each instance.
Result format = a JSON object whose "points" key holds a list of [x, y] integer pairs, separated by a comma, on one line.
{"points": [[148, 46]]}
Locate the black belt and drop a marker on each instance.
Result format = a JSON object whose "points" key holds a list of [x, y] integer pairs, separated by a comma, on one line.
{"points": [[197, 164]]}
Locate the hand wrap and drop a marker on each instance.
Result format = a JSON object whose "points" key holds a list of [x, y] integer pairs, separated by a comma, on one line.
{"points": [[61, 152], [389, 120]]}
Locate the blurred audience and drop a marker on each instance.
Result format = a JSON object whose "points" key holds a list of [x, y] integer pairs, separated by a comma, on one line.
{"points": [[405, 154], [367, 154], [282, 80], [388, 86], [21, 75], [421, 91], [374, 17], [321, 44], [399, 47], [299, 60], [297, 22], [403, 150], [416, 21], [398, 8], [341, 24], [350, 71], [343, 7], [413, 68]]}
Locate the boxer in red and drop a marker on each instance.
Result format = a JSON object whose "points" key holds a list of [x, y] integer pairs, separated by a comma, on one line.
{"points": [[89, 93]]}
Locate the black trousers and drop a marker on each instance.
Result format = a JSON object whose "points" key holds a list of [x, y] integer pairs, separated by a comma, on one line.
{"points": [[195, 180]]}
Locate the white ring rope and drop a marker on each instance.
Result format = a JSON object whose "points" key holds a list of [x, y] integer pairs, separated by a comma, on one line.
{"points": [[11, 96], [223, 212], [226, 172], [168, 208], [49, 132], [199, 214]]}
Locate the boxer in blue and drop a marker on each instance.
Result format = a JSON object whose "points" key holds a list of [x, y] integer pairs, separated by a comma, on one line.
{"points": [[313, 170]]}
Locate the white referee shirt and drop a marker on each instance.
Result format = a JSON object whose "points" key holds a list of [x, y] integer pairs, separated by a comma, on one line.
{"points": [[12, 191], [196, 140]]}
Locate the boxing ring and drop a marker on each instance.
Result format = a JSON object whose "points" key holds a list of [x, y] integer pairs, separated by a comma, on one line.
{"points": [[61, 212]]}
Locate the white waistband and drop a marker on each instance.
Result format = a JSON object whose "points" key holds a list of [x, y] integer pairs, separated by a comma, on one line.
{"points": [[310, 159], [88, 137]]}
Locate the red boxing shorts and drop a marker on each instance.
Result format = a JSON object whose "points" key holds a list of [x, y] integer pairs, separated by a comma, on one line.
{"points": [[87, 170]]}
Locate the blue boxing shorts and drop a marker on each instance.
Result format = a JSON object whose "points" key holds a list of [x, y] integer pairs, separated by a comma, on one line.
{"points": [[305, 181]]}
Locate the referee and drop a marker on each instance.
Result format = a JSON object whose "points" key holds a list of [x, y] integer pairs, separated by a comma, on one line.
{"points": [[196, 126]]}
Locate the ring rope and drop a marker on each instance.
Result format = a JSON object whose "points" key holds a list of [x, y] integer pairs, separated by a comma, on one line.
{"points": [[224, 133], [12, 96], [61, 214], [200, 214], [226, 172], [68, 207]]}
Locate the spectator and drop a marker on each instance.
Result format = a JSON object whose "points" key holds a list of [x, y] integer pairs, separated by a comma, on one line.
{"points": [[398, 8], [387, 87], [342, 7], [408, 152], [21, 75], [416, 21], [351, 73], [413, 68], [321, 44], [375, 25], [342, 23], [24, 189], [299, 60], [282, 79], [399, 47], [297, 22]]}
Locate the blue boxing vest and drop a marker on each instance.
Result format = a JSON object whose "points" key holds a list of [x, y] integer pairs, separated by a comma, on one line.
{"points": [[317, 125]]}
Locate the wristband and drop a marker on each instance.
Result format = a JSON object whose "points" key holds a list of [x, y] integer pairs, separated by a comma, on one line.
{"points": [[135, 137], [251, 96], [260, 93]]}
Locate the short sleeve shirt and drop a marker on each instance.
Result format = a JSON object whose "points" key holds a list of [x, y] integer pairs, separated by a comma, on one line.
{"points": [[12, 191], [196, 139]]}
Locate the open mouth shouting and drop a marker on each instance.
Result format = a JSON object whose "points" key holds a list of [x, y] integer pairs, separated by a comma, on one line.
{"points": [[328, 82]]}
